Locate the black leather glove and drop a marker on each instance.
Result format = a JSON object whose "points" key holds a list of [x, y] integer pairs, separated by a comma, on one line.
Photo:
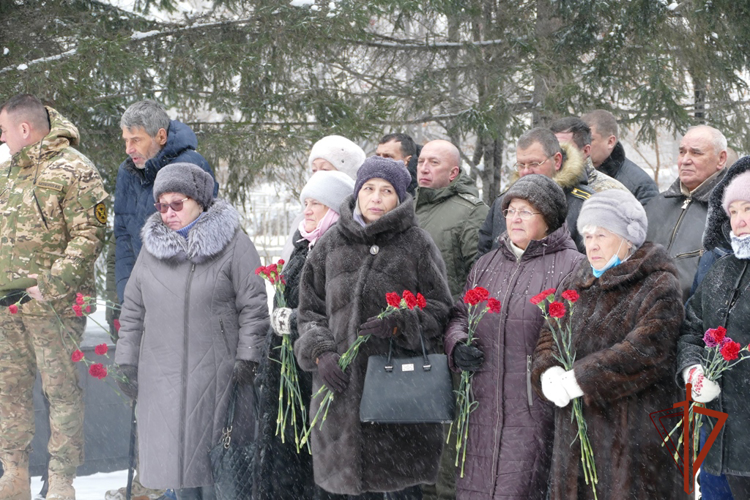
{"points": [[244, 372], [468, 357], [10, 297], [128, 380], [384, 328], [331, 373]]}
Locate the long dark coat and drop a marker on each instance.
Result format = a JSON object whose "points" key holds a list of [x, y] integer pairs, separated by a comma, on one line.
{"points": [[510, 434], [343, 284], [722, 300], [280, 472], [625, 328], [191, 308]]}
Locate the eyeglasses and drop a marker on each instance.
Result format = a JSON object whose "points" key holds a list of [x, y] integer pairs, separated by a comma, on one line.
{"points": [[175, 205], [529, 166], [523, 214]]}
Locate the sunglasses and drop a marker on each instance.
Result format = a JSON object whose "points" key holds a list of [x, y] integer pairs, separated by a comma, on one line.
{"points": [[175, 205]]}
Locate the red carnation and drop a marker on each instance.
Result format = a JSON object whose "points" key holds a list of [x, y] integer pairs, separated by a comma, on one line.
{"points": [[101, 349], [78, 310], [281, 262], [88, 309], [730, 350], [570, 295], [542, 296], [272, 268], [272, 280], [557, 310], [259, 270], [482, 293], [97, 370], [410, 299], [282, 279], [421, 301], [79, 299], [494, 305], [13, 309], [393, 299], [719, 334], [117, 325], [76, 356]]}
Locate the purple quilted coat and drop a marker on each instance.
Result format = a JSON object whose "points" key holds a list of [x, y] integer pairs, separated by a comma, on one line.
{"points": [[511, 431]]}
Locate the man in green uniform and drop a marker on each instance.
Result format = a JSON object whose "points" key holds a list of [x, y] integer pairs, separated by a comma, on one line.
{"points": [[52, 224]]}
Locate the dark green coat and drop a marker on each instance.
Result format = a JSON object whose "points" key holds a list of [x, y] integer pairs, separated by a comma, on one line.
{"points": [[453, 216]]}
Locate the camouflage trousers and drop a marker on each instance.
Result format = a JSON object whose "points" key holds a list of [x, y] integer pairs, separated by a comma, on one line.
{"points": [[39, 341]]}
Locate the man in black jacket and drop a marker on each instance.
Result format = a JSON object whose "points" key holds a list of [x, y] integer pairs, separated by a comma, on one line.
{"points": [[677, 216], [401, 147], [608, 156]]}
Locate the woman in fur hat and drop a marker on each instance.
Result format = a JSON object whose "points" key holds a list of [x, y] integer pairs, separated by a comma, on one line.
{"points": [[193, 309], [375, 248], [625, 327], [510, 436], [722, 300], [281, 472]]}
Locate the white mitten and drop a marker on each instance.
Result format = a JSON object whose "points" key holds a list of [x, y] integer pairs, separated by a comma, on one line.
{"points": [[552, 386], [704, 390], [280, 320], [571, 385]]}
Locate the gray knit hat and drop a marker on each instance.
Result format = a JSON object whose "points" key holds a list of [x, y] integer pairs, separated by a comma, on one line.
{"points": [[543, 194], [188, 179], [384, 168], [618, 211], [340, 152], [329, 188]]}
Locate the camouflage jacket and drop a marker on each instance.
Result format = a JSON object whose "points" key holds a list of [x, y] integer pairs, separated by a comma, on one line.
{"points": [[52, 215]]}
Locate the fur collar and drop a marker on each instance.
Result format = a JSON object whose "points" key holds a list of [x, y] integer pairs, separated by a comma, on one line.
{"points": [[208, 237], [397, 221], [717, 228], [573, 170]]}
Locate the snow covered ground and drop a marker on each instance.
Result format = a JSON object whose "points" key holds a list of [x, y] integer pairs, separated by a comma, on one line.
{"points": [[91, 487]]}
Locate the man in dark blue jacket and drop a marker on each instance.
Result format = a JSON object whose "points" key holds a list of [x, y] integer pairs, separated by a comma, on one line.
{"points": [[152, 141]]}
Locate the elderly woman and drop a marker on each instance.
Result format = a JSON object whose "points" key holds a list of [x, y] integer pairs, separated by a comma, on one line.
{"points": [[722, 300], [510, 436], [193, 306], [281, 472], [625, 327], [375, 248]]}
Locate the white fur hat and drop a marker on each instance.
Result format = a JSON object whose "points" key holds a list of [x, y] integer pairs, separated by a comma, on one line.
{"points": [[340, 152], [329, 188]]}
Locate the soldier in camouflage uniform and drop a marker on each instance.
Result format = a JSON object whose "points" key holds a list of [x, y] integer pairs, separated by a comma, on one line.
{"points": [[52, 224]]}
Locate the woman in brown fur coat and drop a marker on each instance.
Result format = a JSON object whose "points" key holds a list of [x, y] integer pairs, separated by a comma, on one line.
{"points": [[625, 327]]}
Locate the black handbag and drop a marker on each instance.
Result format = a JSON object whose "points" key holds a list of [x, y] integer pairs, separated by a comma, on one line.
{"points": [[232, 465], [416, 390]]}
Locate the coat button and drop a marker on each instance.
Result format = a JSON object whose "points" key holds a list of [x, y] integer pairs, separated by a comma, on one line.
{"points": [[374, 250]]}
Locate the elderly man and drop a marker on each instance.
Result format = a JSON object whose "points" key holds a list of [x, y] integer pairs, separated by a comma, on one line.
{"points": [[152, 141], [449, 208], [539, 152], [677, 216], [52, 224], [574, 131], [401, 147], [608, 156]]}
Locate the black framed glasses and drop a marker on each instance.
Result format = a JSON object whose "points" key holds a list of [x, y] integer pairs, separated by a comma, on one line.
{"points": [[523, 214], [174, 205]]}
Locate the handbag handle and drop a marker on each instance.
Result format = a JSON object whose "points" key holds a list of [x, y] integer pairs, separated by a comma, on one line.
{"points": [[426, 366], [226, 431]]}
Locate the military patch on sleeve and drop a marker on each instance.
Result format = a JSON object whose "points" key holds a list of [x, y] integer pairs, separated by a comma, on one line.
{"points": [[50, 185], [100, 211]]}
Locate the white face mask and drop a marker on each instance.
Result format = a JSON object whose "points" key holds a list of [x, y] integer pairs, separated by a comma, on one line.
{"points": [[740, 245]]}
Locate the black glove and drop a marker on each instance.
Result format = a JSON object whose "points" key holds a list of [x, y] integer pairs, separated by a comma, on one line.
{"points": [[244, 372], [331, 373], [10, 297], [467, 357], [384, 328], [128, 380]]}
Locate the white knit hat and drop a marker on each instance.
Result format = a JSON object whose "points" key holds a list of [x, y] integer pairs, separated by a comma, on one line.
{"points": [[617, 211], [329, 188], [340, 152]]}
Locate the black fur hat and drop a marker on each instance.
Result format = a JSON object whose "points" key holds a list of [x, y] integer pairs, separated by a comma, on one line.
{"points": [[544, 194]]}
